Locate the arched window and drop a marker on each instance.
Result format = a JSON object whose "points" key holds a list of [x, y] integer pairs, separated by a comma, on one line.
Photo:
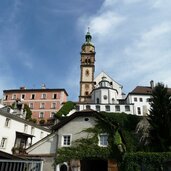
{"points": [[97, 100], [63, 167], [86, 93]]}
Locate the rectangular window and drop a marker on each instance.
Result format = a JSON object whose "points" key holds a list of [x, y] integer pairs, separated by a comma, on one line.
{"points": [[88, 107], [6, 97], [43, 96], [7, 122], [107, 108], [42, 105], [139, 110], [127, 108], [25, 128], [117, 108], [22, 96], [135, 99], [54, 96], [98, 108], [3, 142], [103, 140], [66, 140], [52, 115], [41, 115], [77, 108], [141, 100], [31, 105], [53, 106], [33, 96], [148, 100], [14, 97]]}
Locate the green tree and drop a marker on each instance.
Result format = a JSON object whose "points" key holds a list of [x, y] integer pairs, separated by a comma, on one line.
{"points": [[160, 119], [28, 111], [65, 109]]}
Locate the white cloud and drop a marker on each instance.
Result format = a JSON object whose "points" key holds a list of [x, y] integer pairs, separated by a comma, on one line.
{"points": [[133, 43], [105, 23]]}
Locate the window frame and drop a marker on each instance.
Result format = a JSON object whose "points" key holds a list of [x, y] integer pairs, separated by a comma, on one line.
{"points": [[107, 108], [31, 105], [42, 105], [32, 97], [139, 110], [25, 128], [53, 105], [102, 142], [127, 108], [7, 122], [14, 96], [65, 141], [41, 113], [141, 99], [117, 108], [135, 99], [43, 96], [3, 142]]}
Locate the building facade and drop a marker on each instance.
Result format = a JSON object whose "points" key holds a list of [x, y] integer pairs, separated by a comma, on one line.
{"points": [[64, 136], [42, 102], [17, 134]]}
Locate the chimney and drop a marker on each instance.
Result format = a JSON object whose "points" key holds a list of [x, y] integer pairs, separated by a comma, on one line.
{"points": [[152, 84], [22, 88], [43, 86]]}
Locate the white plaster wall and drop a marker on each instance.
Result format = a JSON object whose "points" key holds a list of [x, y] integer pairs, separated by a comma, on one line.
{"points": [[144, 105], [16, 126], [112, 107], [46, 146], [74, 128], [116, 85]]}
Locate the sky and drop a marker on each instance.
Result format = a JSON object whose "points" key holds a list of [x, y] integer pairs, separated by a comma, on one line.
{"points": [[40, 42]]}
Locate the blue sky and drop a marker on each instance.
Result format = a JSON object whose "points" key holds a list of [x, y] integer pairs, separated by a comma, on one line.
{"points": [[40, 42]]}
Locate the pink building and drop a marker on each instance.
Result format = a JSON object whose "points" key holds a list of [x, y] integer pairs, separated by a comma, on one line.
{"points": [[42, 102]]}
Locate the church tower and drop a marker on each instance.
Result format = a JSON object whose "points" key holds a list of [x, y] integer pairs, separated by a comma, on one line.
{"points": [[87, 69]]}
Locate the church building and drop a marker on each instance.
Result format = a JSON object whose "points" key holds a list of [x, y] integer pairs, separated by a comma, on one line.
{"points": [[102, 93]]}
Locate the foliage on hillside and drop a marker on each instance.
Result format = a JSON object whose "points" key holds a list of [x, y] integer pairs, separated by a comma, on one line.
{"points": [[65, 109]]}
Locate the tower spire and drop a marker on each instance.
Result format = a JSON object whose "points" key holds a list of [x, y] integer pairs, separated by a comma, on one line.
{"points": [[88, 36], [87, 69]]}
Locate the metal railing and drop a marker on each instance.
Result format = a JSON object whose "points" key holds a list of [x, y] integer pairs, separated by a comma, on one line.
{"points": [[21, 165]]}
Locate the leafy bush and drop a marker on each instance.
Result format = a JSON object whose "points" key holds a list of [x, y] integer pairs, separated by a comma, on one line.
{"points": [[148, 161]]}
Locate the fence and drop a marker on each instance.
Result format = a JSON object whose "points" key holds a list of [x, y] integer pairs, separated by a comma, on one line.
{"points": [[21, 165]]}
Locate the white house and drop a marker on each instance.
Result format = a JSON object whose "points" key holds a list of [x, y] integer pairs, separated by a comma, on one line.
{"points": [[17, 134], [65, 133]]}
